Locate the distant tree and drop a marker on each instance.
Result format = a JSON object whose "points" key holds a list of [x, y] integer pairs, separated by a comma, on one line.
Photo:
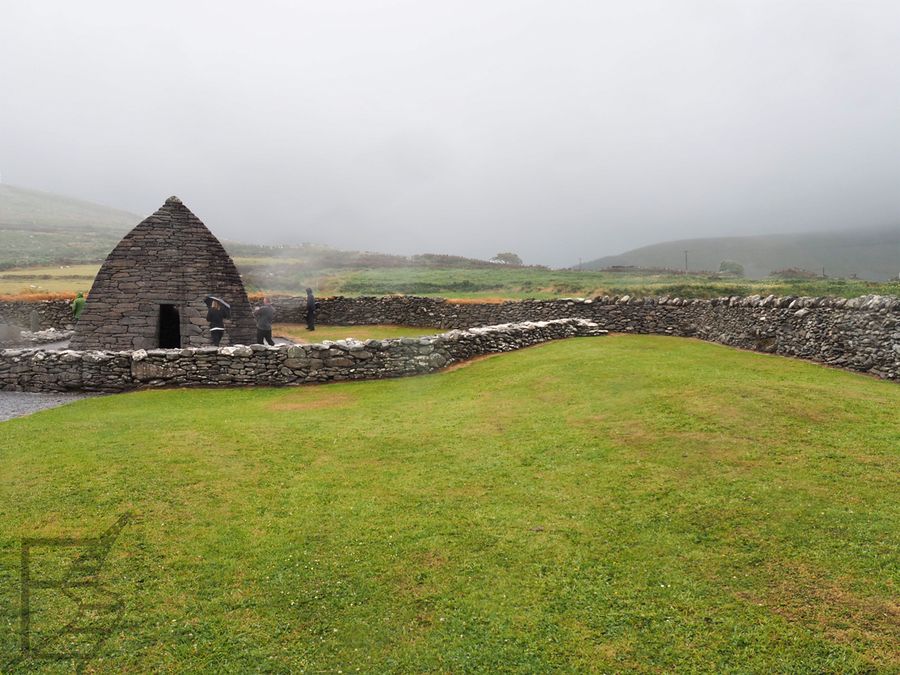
{"points": [[731, 267], [793, 273], [508, 258]]}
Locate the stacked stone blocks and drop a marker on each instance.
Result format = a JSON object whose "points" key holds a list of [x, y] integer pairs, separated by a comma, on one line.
{"points": [[108, 371], [861, 334], [170, 258]]}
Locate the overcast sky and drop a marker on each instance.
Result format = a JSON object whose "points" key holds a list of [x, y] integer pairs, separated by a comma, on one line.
{"points": [[558, 129]]}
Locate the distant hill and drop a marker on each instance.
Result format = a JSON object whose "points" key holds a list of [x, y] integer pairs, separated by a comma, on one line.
{"points": [[40, 228], [23, 209], [871, 254]]}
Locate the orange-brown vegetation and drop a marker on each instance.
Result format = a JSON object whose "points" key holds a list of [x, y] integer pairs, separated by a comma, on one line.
{"points": [[35, 297]]}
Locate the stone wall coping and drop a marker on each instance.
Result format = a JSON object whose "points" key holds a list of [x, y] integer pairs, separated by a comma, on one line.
{"points": [[862, 302], [245, 351], [282, 365]]}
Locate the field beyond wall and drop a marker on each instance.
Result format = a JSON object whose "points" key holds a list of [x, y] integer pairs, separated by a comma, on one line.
{"points": [[279, 277], [630, 503]]}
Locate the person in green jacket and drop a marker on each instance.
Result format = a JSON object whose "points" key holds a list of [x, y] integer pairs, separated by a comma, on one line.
{"points": [[78, 306]]}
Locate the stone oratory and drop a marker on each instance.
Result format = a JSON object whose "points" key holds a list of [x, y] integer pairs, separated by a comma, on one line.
{"points": [[150, 291]]}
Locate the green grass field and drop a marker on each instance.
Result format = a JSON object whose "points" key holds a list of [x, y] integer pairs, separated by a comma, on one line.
{"points": [[48, 279], [265, 275], [627, 503], [500, 282]]}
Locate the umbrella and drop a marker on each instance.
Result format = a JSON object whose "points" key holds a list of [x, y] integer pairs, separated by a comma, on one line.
{"points": [[209, 300]]}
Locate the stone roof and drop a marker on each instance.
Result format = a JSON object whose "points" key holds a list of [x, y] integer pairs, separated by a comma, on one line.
{"points": [[170, 258]]}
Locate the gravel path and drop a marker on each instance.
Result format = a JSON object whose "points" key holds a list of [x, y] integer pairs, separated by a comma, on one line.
{"points": [[17, 403]]}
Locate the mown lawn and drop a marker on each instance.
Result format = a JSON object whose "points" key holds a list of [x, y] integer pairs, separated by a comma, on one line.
{"points": [[625, 503], [297, 332]]}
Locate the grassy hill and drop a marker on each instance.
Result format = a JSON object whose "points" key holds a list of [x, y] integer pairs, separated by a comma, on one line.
{"points": [[621, 504], [39, 228], [22, 209], [871, 254]]}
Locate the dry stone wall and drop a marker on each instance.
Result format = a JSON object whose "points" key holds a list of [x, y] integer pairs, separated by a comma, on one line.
{"points": [[44, 313], [104, 371], [169, 261], [860, 334]]}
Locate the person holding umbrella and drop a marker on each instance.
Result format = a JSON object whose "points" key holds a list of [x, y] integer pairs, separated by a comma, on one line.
{"points": [[219, 310]]}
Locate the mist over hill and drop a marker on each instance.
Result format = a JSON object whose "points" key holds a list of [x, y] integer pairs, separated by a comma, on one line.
{"points": [[868, 253], [38, 228], [24, 209]]}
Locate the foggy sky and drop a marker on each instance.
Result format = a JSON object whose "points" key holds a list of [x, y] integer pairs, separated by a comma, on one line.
{"points": [[558, 129]]}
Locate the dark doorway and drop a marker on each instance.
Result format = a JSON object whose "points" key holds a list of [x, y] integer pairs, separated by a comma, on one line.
{"points": [[169, 327]]}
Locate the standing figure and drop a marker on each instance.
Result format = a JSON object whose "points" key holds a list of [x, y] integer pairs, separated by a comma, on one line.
{"points": [[77, 306], [216, 317], [264, 315], [310, 310]]}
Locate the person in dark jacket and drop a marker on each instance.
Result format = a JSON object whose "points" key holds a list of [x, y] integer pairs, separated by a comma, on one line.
{"points": [[310, 310], [216, 317], [264, 315]]}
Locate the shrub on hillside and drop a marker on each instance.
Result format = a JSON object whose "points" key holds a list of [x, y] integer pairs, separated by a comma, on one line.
{"points": [[794, 273], [507, 258], [731, 268]]}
